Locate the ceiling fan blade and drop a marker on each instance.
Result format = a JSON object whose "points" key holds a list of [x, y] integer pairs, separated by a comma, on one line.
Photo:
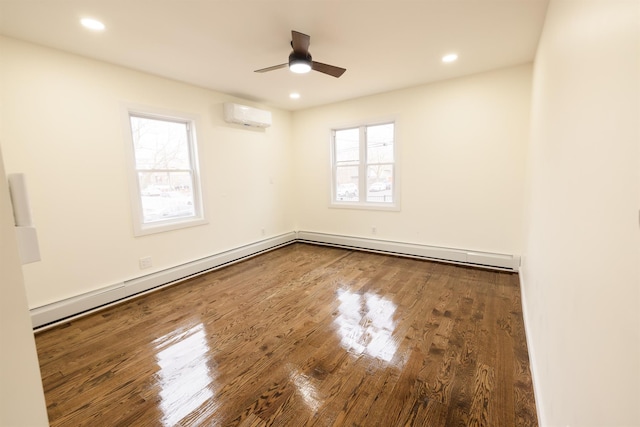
{"points": [[327, 69], [275, 67], [300, 42]]}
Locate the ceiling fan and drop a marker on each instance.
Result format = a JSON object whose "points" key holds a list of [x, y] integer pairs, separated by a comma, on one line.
{"points": [[300, 59]]}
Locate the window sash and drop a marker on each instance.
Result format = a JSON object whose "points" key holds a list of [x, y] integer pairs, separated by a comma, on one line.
{"points": [[174, 200], [341, 193]]}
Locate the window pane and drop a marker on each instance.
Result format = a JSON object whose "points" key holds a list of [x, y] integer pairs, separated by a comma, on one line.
{"points": [[166, 195], [380, 183], [160, 144], [380, 143], [347, 184], [347, 145]]}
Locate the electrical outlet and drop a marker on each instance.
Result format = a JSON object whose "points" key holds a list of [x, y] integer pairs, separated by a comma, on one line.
{"points": [[263, 232], [374, 230], [145, 262]]}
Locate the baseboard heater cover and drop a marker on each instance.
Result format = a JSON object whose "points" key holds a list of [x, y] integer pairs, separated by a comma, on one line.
{"points": [[51, 314], [54, 313], [503, 262]]}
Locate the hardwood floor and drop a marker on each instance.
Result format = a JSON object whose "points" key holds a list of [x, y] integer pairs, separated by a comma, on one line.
{"points": [[300, 336]]}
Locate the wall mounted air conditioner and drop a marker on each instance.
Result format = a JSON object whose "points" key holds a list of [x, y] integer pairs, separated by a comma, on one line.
{"points": [[247, 116]]}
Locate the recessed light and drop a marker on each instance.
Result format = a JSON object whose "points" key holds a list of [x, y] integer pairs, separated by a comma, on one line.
{"points": [[294, 95], [450, 57], [92, 24]]}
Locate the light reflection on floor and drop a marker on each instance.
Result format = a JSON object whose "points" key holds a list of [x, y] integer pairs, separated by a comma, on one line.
{"points": [[184, 377], [306, 390], [366, 324]]}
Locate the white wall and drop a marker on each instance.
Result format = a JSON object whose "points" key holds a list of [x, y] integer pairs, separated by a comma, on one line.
{"points": [[462, 147], [21, 396], [63, 127], [581, 266]]}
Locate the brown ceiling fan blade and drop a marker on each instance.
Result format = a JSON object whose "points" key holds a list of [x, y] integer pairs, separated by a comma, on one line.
{"points": [[275, 67], [328, 69], [300, 42]]}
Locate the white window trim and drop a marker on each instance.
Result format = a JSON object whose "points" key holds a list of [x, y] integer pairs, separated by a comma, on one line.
{"points": [[364, 205], [139, 227]]}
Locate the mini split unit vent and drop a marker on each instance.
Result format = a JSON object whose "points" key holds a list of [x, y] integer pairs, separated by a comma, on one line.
{"points": [[247, 116]]}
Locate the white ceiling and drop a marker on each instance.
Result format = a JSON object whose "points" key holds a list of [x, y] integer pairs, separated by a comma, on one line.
{"points": [[217, 44]]}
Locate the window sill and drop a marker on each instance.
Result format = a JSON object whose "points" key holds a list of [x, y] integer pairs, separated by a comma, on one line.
{"points": [[365, 206], [161, 227]]}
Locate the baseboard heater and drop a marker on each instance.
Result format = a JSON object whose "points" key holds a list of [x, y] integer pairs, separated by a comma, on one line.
{"points": [[496, 261], [51, 314]]}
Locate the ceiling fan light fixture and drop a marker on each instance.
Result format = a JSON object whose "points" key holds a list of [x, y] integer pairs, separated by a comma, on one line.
{"points": [[299, 66]]}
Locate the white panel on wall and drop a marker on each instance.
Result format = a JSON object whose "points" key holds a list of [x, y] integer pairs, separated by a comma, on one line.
{"points": [[21, 395]]}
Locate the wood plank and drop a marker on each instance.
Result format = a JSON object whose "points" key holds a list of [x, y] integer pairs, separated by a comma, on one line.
{"points": [[301, 336], [482, 411]]}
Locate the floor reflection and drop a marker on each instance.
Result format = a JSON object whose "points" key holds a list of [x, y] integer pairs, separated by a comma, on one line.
{"points": [[366, 324], [184, 377], [306, 390]]}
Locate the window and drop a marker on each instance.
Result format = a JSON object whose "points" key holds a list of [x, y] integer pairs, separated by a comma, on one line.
{"points": [[364, 166], [165, 174]]}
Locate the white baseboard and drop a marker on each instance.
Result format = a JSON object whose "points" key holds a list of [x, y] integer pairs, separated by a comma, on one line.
{"points": [[532, 354], [496, 261], [50, 314]]}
